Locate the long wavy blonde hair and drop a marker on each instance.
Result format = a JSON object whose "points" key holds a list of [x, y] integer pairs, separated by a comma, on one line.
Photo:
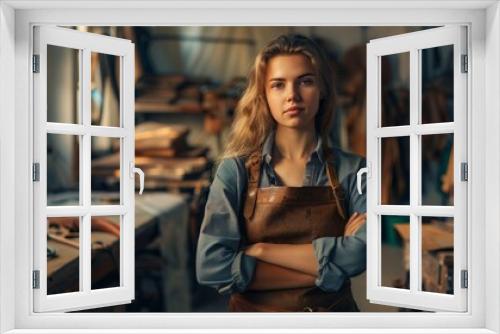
{"points": [[253, 121]]}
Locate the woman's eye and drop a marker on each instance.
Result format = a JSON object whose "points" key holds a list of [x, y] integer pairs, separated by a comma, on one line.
{"points": [[277, 85], [307, 82]]}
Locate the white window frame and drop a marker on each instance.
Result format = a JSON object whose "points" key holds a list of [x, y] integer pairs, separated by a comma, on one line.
{"points": [[413, 43], [16, 20], [85, 43]]}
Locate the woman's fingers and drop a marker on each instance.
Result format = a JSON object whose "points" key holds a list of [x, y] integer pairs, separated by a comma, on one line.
{"points": [[356, 219], [351, 231], [354, 223], [354, 215], [355, 227]]}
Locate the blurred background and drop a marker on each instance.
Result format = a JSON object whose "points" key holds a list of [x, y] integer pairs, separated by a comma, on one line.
{"points": [[188, 81]]}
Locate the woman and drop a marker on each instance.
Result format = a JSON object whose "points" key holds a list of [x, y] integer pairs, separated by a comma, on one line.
{"points": [[275, 233]]}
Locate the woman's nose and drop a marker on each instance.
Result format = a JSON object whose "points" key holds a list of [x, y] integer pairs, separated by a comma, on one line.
{"points": [[293, 93]]}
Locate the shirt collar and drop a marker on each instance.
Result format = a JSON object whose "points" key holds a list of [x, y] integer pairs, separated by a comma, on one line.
{"points": [[267, 148]]}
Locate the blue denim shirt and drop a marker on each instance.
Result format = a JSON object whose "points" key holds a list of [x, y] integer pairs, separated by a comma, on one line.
{"points": [[220, 260]]}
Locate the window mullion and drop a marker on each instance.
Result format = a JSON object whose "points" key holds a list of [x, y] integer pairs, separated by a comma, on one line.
{"points": [[85, 239], [415, 166]]}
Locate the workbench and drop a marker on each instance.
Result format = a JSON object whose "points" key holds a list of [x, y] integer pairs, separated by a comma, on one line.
{"points": [[157, 215]]}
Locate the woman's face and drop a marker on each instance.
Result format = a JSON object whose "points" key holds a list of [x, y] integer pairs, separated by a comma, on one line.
{"points": [[292, 91]]}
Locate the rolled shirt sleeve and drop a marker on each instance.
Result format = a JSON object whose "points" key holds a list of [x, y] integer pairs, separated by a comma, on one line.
{"points": [[220, 262], [342, 257]]}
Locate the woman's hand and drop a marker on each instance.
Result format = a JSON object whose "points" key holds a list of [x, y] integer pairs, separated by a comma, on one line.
{"points": [[354, 224], [255, 250]]}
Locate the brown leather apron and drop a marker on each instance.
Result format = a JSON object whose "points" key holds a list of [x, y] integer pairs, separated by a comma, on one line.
{"points": [[292, 215]]}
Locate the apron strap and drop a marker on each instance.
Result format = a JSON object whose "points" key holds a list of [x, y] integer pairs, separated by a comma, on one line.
{"points": [[252, 165], [333, 180]]}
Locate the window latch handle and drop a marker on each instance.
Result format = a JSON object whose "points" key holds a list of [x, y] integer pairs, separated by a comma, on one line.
{"points": [[134, 170], [364, 170]]}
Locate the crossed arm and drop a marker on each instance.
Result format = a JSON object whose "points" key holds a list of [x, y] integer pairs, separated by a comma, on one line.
{"points": [[290, 265]]}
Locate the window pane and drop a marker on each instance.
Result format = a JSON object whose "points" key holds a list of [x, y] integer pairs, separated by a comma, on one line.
{"points": [[395, 171], [63, 254], [437, 169], [105, 89], [105, 170], [437, 84], [395, 241], [63, 165], [395, 87], [437, 254], [105, 252], [63, 85]]}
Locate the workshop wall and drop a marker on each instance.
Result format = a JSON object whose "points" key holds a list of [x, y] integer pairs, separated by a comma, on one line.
{"points": [[188, 81]]}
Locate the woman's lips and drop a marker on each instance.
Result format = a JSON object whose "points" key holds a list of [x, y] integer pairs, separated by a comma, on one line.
{"points": [[293, 111]]}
